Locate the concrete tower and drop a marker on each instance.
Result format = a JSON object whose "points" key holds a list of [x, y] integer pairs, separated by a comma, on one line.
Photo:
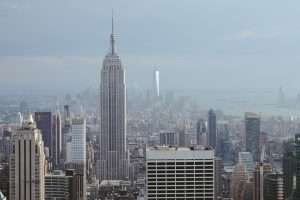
{"points": [[56, 138], [212, 129], [113, 162], [27, 163], [252, 129]]}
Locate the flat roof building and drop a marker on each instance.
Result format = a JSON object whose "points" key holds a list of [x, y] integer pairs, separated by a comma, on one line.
{"points": [[180, 173]]}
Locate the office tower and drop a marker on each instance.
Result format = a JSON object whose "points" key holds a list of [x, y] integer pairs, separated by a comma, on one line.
{"points": [[260, 171], [66, 131], [78, 142], [297, 149], [44, 123], [182, 138], [273, 187], [212, 128], [219, 169], [288, 167], [246, 159], [57, 186], [56, 138], [27, 163], [180, 173], [239, 182], [168, 138], [113, 162], [252, 130], [200, 132], [78, 184], [156, 84]]}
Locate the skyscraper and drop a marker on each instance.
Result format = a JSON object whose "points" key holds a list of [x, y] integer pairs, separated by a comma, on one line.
{"points": [[200, 132], [156, 84], [44, 123], [252, 130], [27, 163], [260, 171], [180, 173], [78, 142], [212, 128], [113, 162], [168, 139], [56, 138], [273, 187], [66, 131], [297, 149]]}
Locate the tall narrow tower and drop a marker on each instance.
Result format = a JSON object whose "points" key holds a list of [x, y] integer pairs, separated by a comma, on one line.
{"points": [[156, 83], [212, 129], [113, 163]]}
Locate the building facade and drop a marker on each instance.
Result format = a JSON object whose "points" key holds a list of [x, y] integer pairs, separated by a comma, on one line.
{"points": [[180, 173], [252, 130], [27, 163], [44, 123], [56, 138], [212, 129], [78, 141], [273, 187]]}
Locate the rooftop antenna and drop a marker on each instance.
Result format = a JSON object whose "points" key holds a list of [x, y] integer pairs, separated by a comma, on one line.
{"points": [[112, 36]]}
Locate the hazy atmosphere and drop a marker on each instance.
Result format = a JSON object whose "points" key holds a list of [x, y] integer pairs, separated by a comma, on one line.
{"points": [[207, 44]]}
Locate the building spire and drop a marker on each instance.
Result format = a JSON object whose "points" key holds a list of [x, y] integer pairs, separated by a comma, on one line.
{"points": [[112, 36]]}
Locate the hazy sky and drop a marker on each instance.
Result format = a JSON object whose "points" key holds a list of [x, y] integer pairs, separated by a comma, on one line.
{"points": [[230, 44]]}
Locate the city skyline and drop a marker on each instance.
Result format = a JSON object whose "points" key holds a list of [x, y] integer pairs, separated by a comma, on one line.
{"points": [[181, 106]]}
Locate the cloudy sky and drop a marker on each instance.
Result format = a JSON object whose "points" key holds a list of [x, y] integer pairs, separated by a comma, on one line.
{"points": [[206, 44]]}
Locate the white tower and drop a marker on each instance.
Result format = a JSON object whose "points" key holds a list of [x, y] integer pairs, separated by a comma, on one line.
{"points": [[156, 83]]}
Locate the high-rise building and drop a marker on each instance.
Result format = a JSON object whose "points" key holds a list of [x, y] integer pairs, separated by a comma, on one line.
{"points": [[180, 173], [252, 130], [113, 161], [260, 171], [44, 123], [246, 159], [27, 163], [58, 186], [56, 138], [219, 169], [212, 129], [297, 149], [156, 83], [78, 141], [66, 131], [168, 138], [273, 187], [200, 132], [289, 163], [78, 184], [240, 182]]}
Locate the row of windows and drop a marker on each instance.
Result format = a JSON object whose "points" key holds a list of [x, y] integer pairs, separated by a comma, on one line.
{"points": [[177, 187], [181, 195], [180, 163], [181, 183], [181, 175]]}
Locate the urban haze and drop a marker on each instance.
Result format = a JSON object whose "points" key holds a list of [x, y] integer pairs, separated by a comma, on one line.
{"points": [[136, 99]]}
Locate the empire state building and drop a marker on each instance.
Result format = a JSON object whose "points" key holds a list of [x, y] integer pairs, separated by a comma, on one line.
{"points": [[113, 162]]}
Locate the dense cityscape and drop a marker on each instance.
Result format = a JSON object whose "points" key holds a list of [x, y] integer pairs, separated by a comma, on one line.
{"points": [[119, 143]]}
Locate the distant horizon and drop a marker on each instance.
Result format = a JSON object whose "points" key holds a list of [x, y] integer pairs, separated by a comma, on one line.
{"points": [[204, 45]]}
